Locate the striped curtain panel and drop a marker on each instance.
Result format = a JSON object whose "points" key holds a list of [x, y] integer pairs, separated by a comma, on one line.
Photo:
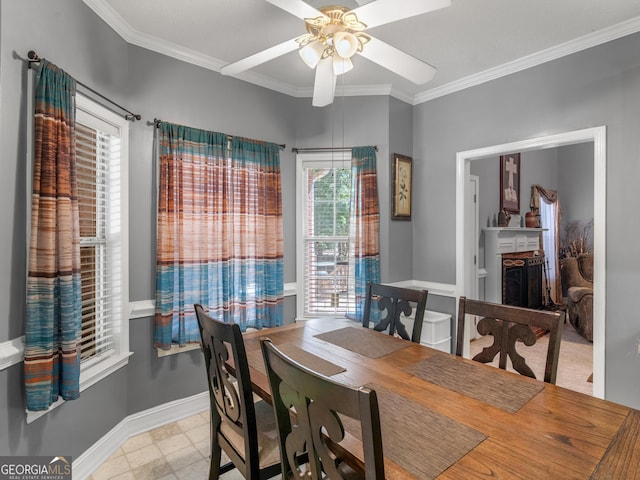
{"points": [[364, 228], [256, 263], [54, 310], [219, 234]]}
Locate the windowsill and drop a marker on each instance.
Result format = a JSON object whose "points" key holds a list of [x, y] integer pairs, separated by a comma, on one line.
{"points": [[177, 349], [88, 377]]}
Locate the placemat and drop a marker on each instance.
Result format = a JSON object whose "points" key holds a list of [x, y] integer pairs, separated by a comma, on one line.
{"points": [[364, 341], [303, 357], [423, 442], [476, 381]]}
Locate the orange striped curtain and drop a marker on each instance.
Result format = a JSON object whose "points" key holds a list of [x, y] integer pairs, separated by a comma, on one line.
{"points": [[364, 223], [219, 235], [54, 310]]}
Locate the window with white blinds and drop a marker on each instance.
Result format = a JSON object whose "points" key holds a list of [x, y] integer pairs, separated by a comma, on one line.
{"points": [[101, 159], [324, 184]]}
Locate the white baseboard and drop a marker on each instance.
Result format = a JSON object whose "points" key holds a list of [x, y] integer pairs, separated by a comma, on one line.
{"points": [[141, 422]]}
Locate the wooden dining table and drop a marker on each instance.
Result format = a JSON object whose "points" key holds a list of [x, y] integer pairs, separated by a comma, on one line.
{"points": [[448, 417]]}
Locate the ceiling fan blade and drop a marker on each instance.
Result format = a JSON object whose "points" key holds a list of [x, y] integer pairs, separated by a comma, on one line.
{"points": [[397, 61], [259, 58], [325, 85], [298, 8], [381, 12]]}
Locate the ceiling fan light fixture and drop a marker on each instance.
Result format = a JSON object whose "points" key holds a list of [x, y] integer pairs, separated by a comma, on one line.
{"points": [[345, 44], [341, 65], [312, 53]]}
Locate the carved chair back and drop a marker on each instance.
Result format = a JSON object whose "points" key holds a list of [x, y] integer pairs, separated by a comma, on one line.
{"points": [[394, 301], [233, 412], [511, 326], [308, 408]]}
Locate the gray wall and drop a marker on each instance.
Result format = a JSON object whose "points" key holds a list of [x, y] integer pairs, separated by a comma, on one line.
{"points": [[575, 182], [598, 86], [72, 36], [398, 233]]}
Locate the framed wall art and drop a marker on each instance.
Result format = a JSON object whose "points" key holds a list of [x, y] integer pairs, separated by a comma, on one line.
{"points": [[401, 187], [510, 183]]}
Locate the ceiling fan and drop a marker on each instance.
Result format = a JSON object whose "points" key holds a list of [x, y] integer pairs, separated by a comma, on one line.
{"points": [[335, 34]]}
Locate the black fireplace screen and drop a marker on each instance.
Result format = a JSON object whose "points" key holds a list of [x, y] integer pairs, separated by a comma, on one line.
{"points": [[522, 281]]}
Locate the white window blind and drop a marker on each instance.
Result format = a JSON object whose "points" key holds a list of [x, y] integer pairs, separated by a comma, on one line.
{"points": [[327, 272], [101, 173], [94, 150]]}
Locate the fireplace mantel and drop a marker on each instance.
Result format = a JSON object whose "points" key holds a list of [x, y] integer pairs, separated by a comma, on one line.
{"points": [[500, 240]]}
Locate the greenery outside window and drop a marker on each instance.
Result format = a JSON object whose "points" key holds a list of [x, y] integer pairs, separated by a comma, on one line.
{"points": [[325, 272]]}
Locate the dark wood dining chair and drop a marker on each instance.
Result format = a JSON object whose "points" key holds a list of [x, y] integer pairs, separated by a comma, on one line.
{"points": [[509, 326], [308, 408], [395, 301], [245, 430]]}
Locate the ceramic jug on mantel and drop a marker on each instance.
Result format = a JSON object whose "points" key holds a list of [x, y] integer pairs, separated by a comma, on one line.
{"points": [[530, 220]]}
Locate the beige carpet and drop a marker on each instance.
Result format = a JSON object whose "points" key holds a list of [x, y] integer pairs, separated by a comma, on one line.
{"points": [[574, 367]]}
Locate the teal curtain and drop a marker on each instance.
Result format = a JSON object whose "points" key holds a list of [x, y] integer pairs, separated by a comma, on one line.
{"points": [[257, 268], [189, 260], [364, 226], [219, 234], [54, 310]]}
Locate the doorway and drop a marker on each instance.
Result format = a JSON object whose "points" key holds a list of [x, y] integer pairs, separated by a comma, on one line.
{"points": [[597, 136]]}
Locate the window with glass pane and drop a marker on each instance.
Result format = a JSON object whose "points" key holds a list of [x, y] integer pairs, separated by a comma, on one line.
{"points": [[99, 178], [328, 285]]}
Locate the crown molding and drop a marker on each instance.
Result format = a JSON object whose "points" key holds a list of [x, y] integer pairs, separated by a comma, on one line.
{"points": [[614, 32], [111, 17], [350, 90], [173, 50], [267, 82], [150, 42]]}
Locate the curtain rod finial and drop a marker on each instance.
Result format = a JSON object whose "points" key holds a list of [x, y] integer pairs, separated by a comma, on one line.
{"points": [[33, 56]]}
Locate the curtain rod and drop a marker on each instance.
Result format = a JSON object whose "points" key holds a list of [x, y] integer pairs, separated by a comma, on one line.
{"points": [[157, 122], [325, 149], [34, 58]]}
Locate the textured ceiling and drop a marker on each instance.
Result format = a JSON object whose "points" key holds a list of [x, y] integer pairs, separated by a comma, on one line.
{"points": [[469, 42]]}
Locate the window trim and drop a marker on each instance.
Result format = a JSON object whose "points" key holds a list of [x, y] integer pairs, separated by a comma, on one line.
{"points": [[91, 372], [329, 158]]}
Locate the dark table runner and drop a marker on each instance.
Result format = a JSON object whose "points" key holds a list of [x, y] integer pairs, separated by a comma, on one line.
{"points": [[476, 381], [364, 341], [423, 442], [309, 360]]}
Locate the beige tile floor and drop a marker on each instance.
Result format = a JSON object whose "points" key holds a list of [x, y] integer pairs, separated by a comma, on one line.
{"points": [[177, 451]]}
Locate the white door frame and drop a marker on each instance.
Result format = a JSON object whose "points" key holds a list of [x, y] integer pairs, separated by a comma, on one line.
{"points": [[597, 135]]}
